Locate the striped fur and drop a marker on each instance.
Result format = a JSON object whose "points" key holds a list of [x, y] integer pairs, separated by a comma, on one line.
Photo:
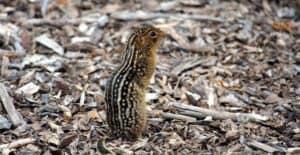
{"points": [[124, 94]]}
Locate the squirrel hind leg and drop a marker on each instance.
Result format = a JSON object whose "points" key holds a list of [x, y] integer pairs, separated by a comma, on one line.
{"points": [[139, 128], [132, 136], [135, 132]]}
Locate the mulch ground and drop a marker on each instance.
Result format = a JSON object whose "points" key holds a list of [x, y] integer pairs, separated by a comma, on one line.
{"points": [[227, 79]]}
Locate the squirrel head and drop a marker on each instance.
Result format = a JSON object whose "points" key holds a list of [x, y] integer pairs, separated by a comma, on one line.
{"points": [[147, 36]]}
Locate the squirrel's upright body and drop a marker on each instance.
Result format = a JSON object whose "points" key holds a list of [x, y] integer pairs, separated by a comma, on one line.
{"points": [[125, 90]]}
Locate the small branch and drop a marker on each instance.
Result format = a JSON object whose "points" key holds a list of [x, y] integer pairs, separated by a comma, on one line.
{"points": [[7, 102], [17, 143], [192, 113], [262, 146], [142, 15], [57, 22], [220, 114], [178, 116]]}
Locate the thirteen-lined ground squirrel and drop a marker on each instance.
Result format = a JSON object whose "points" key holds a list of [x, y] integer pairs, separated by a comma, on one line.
{"points": [[125, 90]]}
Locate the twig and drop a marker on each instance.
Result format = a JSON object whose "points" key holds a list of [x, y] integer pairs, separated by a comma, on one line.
{"points": [[17, 143], [142, 15], [220, 114], [57, 22], [178, 116], [192, 113], [7, 102], [262, 146]]}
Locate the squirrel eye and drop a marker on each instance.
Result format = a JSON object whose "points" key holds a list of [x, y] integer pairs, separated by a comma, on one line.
{"points": [[152, 34]]}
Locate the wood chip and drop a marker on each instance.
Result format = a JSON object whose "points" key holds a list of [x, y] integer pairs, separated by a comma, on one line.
{"points": [[93, 114], [178, 116], [50, 43], [142, 15], [28, 89], [4, 66], [17, 143], [262, 146], [8, 104], [243, 117]]}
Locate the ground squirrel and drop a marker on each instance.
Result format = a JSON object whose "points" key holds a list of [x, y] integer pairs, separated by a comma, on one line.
{"points": [[125, 90]]}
